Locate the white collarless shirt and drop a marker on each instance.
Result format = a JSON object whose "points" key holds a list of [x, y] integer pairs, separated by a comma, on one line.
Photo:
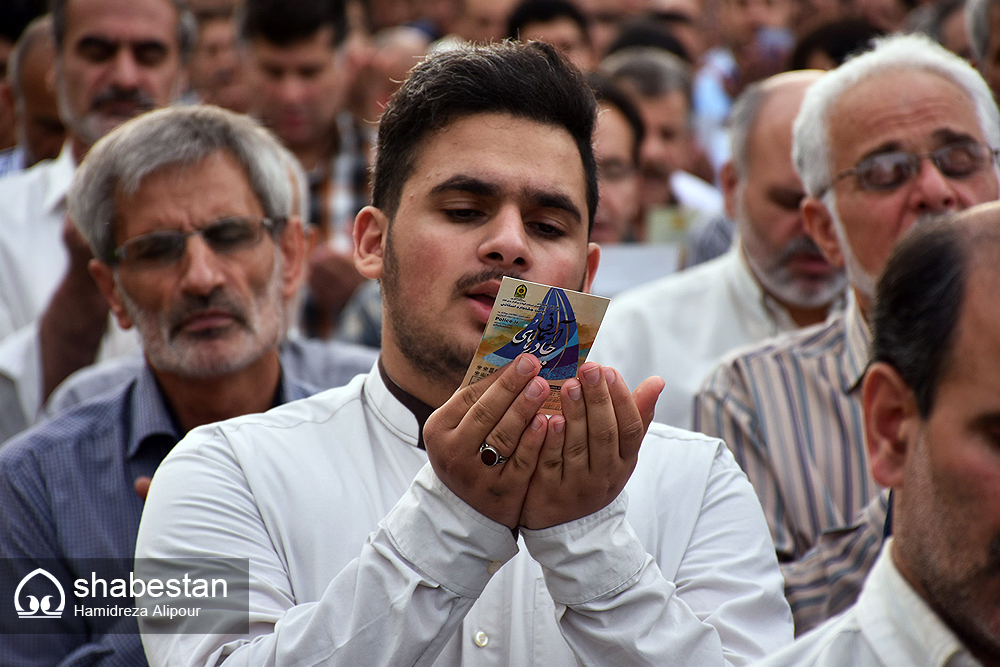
{"points": [[360, 555]]}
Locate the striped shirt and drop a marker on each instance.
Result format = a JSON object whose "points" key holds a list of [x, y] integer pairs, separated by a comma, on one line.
{"points": [[790, 410]]}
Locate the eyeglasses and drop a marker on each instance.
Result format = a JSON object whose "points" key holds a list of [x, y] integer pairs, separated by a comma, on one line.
{"points": [[888, 171], [225, 237]]}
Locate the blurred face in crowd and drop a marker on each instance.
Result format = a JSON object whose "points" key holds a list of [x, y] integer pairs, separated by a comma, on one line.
{"points": [[207, 313], [215, 66], [296, 90], [119, 58], [856, 223], [618, 176], [990, 66], [666, 146], [740, 20], [485, 21], [765, 204], [39, 128], [945, 469], [476, 208], [566, 35]]}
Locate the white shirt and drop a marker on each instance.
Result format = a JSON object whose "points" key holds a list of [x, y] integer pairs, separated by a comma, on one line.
{"points": [[680, 326], [890, 625], [300, 489], [33, 261]]}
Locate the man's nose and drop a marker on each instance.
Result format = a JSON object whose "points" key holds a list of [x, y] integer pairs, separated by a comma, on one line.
{"points": [[126, 72], [201, 268], [506, 242], [933, 192]]}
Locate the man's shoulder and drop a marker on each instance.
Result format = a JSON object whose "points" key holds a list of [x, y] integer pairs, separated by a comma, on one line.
{"points": [[338, 408], [25, 192], [800, 346], [675, 448], [84, 429], [839, 641], [684, 288]]}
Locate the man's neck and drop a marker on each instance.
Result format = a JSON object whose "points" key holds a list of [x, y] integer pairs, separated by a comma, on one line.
{"points": [[199, 401], [316, 154], [434, 392], [805, 317], [79, 147]]}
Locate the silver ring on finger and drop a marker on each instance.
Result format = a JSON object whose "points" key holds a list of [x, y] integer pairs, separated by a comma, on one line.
{"points": [[489, 455]]}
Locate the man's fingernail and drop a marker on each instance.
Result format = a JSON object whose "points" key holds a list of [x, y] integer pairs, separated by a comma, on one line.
{"points": [[592, 374], [558, 424], [610, 376], [535, 388], [536, 423], [575, 392], [524, 365]]}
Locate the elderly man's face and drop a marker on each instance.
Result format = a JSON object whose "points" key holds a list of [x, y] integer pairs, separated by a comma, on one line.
{"points": [[119, 58], [211, 311], [618, 176], [947, 513], [907, 110], [666, 146], [765, 204]]}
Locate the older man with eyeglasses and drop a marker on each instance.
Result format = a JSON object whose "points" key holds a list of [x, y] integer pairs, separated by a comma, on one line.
{"points": [[897, 135], [190, 214]]}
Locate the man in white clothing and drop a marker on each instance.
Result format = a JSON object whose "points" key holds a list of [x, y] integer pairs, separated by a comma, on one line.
{"points": [[773, 280], [474, 180], [114, 59], [932, 422]]}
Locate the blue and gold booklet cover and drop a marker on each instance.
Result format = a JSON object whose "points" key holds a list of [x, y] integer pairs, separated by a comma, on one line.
{"points": [[556, 325]]}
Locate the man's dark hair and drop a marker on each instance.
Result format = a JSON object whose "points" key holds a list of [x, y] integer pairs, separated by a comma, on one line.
{"points": [[531, 81], [837, 40], [187, 29], [15, 15], [543, 11], [607, 92], [917, 303], [283, 23]]}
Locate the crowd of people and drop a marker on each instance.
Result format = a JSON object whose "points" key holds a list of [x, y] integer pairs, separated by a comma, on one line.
{"points": [[248, 249]]}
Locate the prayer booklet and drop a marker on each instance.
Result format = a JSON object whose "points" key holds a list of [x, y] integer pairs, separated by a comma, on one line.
{"points": [[556, 325]]}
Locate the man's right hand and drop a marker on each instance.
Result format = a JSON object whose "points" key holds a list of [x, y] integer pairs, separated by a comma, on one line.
{"points": [[501, 410]]}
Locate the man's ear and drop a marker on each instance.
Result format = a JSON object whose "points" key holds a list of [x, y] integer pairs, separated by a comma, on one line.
{"points": [[371, 229], [593, 259], [892, 423], [729, 181], [104, 276], [819, 226], [292, 244]]}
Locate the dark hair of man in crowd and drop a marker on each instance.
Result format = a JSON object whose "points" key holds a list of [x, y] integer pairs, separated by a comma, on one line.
{"points": [[543, 11], [644, 32], [607, 92], [284, 22], [918, 299], [837, 39], [531, 81], [187, 29]]}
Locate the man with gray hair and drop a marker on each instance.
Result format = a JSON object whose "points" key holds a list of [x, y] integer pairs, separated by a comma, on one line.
{"points": [[894, 136], [931, 397], [189, 213], [772, 280], [983, 20], [40, 132], [114, 60]]}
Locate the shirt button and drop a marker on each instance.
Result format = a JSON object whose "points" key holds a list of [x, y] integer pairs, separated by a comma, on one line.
{"points": [[481, 639], [494, 566]]}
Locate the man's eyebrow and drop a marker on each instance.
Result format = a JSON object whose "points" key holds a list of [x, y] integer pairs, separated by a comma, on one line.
{"points": [[556, 200], [946, 136], [461, 183]]}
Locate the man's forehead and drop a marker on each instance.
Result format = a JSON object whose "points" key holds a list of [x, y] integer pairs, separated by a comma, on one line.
{"points": [[123, 20], [901, 108]]}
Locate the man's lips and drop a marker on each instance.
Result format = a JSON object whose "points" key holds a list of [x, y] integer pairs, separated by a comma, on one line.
{"points": [[810, 263], [205, 320], [482, 298]]}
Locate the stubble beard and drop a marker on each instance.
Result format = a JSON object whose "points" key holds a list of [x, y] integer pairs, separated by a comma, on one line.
{"points": [[957, 586], [258, 327]]}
